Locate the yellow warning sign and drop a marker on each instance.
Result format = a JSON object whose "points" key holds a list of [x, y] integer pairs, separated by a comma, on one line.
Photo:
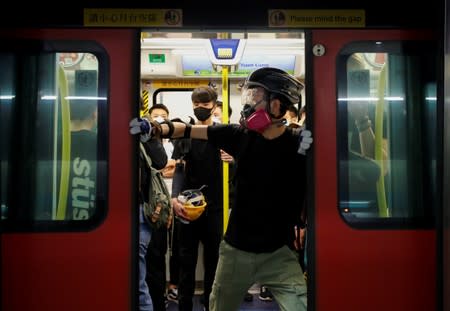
{"points": [[133, 17], [317, 18], [178, 84], [144, 108]]}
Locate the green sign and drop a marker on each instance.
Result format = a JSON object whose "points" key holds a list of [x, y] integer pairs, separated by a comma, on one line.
{"points": [[157, 58]]}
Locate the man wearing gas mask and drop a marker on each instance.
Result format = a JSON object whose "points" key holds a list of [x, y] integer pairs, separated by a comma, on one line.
{"points": [[266, 205]]}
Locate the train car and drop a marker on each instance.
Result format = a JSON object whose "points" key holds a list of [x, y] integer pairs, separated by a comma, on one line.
{"points": [[377, 217]]}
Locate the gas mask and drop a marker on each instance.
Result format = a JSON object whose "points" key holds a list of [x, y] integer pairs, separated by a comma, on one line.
{"points": [[254, 115]]}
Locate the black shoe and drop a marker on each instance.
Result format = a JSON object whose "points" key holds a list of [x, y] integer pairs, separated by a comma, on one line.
{"points": [[265, 294], [248, 297]]}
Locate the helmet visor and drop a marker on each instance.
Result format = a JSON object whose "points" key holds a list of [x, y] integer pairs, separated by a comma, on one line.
{"points": [[253, 96]]}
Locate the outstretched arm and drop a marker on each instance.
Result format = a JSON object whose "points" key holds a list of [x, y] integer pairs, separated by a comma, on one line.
{"points": [[155, 150], [167, 129]]}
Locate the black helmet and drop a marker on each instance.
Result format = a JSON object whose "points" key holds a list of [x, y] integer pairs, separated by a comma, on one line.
{"points": [[276, 81]]}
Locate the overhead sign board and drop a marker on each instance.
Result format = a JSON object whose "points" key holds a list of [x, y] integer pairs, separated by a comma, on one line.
{"points": [[133, 17], [317, 18], [198, 66]]}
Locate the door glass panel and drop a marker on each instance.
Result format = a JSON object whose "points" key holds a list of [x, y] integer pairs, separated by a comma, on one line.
{"points": [[53, 113], [387, 133]]}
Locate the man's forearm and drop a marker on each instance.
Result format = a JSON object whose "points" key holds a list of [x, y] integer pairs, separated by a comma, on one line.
{"points": [[180, 131], [168, 129]]}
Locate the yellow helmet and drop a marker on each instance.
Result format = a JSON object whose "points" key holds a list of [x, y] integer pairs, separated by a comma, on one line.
{"points": [[194, 203]]}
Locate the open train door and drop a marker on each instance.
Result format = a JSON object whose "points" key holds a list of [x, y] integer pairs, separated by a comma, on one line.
{"points": [[373, 232], [68, 226]]}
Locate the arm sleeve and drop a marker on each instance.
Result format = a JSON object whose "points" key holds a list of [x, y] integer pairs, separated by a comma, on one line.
{"points": [[156, 152], [178, 180], [181, 147]]}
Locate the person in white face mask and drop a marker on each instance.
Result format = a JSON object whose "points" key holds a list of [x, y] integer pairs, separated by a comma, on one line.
{"points": [[217, 113], [156, 254], [160, 113]]}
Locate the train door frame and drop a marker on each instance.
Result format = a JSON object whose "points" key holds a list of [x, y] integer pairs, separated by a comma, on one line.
{"points": [[154, 93]]}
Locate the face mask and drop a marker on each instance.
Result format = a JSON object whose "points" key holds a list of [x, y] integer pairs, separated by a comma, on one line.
{"points": [[159, 119], [216, 119], [202, 114], [257, 120]]}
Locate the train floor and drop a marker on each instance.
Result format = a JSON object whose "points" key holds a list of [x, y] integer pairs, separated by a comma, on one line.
{"points": [[255, 305]]}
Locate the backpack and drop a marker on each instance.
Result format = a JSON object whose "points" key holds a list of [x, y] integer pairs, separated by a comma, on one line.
{"points": [[158, 211]]}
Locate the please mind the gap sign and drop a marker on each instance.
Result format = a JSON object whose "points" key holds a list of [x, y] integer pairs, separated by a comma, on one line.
{"points": [[317, 18]]}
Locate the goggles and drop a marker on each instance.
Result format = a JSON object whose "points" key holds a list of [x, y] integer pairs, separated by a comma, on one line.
{"points": [[254, 96]]}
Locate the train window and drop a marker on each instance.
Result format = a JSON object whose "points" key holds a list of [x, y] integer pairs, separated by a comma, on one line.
{"points": [[387, 134], [178, 101], [53, 127]]}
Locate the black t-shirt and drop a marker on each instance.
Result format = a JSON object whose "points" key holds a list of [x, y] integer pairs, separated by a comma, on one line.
{"points": [[203, 167], [267, 204]]}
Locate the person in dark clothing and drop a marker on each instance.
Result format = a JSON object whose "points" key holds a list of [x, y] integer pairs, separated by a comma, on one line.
{"points": [[157, 249], [267, 206], [155, 151], [217, 118], [156, 268], [193, 155]]}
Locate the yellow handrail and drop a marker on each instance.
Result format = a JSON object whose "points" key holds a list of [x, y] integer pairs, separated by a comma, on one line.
{"points": [[381, 191], [65, 154], [225, 164]]}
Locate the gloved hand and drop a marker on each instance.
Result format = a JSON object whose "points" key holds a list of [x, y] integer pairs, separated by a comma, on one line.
{"points": [[141, 126], [305, 141]]}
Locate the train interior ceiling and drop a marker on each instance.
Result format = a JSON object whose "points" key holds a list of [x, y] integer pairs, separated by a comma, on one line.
{"points": [[172, 64]]}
